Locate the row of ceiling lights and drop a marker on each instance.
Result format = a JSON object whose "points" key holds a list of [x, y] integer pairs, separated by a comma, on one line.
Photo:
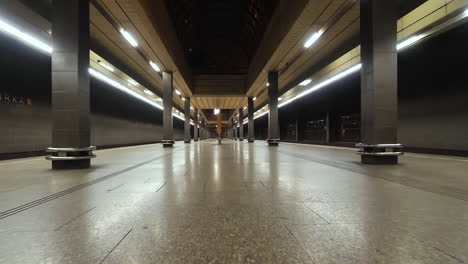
{"points": [[313, 39], [22, 36]]}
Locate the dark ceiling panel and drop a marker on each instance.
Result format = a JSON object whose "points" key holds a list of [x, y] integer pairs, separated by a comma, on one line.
{"points": [[220, 36]]}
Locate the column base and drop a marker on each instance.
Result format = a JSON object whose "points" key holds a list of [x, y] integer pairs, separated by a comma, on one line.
{"points": [[251, 140], [385, 154], [71, 164], [70, 158], [379, 160], [187, 141], [195, 140], [241, 139], [167, 143], [273, 142]]}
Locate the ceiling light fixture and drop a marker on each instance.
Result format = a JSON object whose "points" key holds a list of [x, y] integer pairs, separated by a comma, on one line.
{"points": [[318, 86], [177, 92], [154, 66], [122, 88], [129, 38], [159, 99], [280, 98], [255, 98], [183, 99], [106, 66], [132, 82], [305, 82], [24, 37], [313, 39], [216, 111], [408, 42]]}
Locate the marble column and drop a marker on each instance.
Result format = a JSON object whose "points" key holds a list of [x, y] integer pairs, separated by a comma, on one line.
{"points": [[195, 127], [250, 114], [71, 133], [241, 124], [379, 107], [273, 121], [188, 135], [168, 129]]}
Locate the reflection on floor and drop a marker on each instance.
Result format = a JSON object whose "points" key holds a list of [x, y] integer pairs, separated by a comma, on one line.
{"points": [[235, 203]]}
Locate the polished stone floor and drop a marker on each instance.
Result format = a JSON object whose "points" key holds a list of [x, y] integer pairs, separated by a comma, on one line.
{"points": [[235, 203]]}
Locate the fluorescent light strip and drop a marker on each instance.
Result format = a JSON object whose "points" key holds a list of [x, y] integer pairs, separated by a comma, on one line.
{"points": [[313, 39], [155, 66], [410, 41], [316, 87], [132, 82], [106, 66], [119, 86], [24, 37], [129, 38], [305, 82]]}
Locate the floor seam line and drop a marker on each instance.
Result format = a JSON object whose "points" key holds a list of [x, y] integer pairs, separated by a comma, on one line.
{"points": [[116, 187], [118, 243], [87, 211], [161, 187], [70, 190], [297, 241], [316, 213]]}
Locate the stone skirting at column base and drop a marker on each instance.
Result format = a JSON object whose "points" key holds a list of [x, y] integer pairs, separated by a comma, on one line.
{"points": [[273, 142], [385, 154], [167, 143], [187, 141], [251, 140], [71, 158], [241, 139]]}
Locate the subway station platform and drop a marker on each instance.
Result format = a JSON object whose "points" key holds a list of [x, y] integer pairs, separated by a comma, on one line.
{"points": [[235, 203]]}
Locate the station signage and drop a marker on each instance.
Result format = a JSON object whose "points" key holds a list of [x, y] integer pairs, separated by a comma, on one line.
{"points": [[6, 98]]}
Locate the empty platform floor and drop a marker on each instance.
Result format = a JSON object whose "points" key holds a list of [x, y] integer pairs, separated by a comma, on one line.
{"points": [[235, 203]]}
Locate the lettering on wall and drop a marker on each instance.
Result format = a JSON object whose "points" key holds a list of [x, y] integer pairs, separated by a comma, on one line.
{"points": [[6, 98]]}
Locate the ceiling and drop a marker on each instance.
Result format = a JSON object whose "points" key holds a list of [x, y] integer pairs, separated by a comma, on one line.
{"points": [[205, 41], [220, 36]]}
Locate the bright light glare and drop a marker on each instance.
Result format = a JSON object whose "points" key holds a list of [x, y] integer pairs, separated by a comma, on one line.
{"points": [[154, 66], [281, 98], [255, 98], [148, 92], [409, 42], [26, 38], [106, 66], [177, 92], [216, 111], [305, 82], [313, 39], [132, 82], [183, 99], [129, 38], [466, 12], [159, 99], [191, 108]]}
